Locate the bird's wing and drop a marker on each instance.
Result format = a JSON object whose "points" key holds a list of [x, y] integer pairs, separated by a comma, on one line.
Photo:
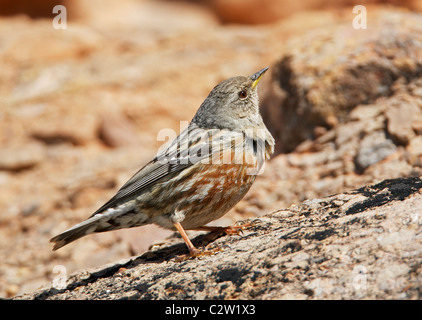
{"points": [[190, 147]]}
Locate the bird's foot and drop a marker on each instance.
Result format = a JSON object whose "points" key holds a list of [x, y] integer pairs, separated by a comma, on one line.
{"points": [[197, 253], [230, 230]]}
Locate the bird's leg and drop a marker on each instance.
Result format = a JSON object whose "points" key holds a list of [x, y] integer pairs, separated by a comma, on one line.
{"points": [[193, 252]]}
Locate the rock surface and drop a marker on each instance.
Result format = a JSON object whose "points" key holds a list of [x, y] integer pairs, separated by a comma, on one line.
{"points": [[363, 244], [323, 76], [265, 11]]}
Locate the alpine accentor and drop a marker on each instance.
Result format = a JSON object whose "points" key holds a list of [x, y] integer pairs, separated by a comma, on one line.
{"points": [[203, 173]]}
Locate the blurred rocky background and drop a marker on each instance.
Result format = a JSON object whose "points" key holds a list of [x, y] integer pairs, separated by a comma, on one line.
{"points": [[82, 108]]}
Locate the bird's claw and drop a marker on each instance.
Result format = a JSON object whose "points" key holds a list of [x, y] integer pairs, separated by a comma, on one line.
{"points": [[197, 253]]}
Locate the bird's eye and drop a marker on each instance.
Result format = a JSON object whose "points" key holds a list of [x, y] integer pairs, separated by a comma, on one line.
{"points": [[243, 94]]}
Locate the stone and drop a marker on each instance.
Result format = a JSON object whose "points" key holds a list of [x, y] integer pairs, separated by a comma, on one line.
{"points": [[374, 148], [323, 76], [255, 12], [267, 11], [415, 146], [118, 131], [401, 114], [48, 80], [325, 250], [77, 130], [21, 157], [42, 8]]}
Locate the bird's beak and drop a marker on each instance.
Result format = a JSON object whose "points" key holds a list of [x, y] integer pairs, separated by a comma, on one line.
{"points": [[257, 76]]}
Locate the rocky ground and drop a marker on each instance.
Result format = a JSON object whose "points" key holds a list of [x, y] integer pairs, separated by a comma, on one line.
{"points": [[83, 108], [364, 244]]}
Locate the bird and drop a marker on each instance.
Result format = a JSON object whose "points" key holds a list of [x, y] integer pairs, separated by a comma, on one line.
{"points": [[200, 176]]}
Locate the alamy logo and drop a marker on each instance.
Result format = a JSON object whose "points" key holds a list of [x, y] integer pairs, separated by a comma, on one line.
{"points": [[359, 21], [60, 20]]}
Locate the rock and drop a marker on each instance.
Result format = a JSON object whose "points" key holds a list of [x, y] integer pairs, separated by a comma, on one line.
{"points": [[415, 146], [266, 11], [255, 12], [49, 80], [58, 45], [79, 129], [363, 112], [118, 131], [324, 75], [401, 115], [21, 157], [42, 8], [374, 148], [144, 14], [363, 244]]}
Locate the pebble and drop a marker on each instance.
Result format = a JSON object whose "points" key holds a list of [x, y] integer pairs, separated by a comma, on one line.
{"points": [[20, 157]]}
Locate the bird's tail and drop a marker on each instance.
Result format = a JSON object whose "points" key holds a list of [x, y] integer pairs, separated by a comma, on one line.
{"points": [[78, 231], [111, 219]]}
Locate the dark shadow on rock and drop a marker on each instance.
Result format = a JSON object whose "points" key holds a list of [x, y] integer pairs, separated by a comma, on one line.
{"points": [[386, 191]]}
